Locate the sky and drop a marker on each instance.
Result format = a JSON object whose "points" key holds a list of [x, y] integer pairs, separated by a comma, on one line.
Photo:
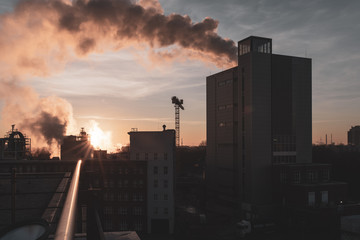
{"points": [[123, 89]]}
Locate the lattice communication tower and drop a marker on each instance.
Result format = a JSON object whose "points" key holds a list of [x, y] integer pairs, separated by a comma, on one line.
{"points": [[178, 103]]}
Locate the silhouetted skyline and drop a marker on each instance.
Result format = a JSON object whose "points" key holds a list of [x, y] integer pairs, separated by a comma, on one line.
{"points": [[123, 89]]}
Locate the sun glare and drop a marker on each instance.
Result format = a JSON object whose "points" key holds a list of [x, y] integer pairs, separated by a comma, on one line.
{"points": [[98, 138]]}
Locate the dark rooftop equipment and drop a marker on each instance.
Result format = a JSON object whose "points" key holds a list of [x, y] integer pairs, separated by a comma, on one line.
{"points": [[178, 104]]}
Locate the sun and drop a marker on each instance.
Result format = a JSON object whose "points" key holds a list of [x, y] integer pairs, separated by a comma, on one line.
{"points": [[98, 138]]}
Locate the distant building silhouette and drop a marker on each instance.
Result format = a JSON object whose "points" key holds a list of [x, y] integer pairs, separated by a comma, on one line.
{"points": [[78, 147], [354, 136], [15, 146]]}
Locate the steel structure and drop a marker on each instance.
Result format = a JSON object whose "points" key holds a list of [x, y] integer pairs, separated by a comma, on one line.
{"points": [[15, 145], [178, 104]]}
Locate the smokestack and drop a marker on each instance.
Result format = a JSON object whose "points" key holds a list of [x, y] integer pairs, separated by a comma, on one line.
{"points": [[325, 139], [331, 139]]}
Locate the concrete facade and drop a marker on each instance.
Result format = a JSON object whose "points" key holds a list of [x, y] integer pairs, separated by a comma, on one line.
{"points": [[158, 150], [258, 115]]}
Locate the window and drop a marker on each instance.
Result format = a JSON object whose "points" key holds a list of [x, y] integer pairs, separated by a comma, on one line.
{"points": [[108, 210], [229, 106], [138, 211], [311, 198], [126, 197], [108, 224], [105, 196], [296, 177], [126, 171], [155, 156], [221, 107], [283, 176], [141, 197], [141, 183], [119, 183], [119, 197], [221, 84], [325, 175], [120, 170], [138, 226], [106, 183], [126, 183], [111, 196], [311, 176], [155, 196], [123, 211], [165, 183], [135, 184], [156, 183], [83, 213], [324, 197], [165, 170], [155, 170], [96, 182], [135, 197], [165, 197], [123, 225]]}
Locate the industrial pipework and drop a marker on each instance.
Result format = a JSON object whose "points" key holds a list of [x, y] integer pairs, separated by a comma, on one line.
{"points": [[65, 229]]}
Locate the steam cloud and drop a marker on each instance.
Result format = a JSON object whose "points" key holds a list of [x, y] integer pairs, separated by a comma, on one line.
{"points": [[50, 127], [46, 119], [41, 36]]}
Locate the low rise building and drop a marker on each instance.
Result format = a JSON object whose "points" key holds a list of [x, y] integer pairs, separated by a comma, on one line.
{"points": [[157, 148]]}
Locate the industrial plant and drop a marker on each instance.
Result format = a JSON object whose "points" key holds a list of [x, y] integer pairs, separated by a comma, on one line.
{"points": [[254, 178], [15, 145]]}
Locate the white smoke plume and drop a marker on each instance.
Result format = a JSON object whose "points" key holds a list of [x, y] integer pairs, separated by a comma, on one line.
{"points": [[41, 36]]}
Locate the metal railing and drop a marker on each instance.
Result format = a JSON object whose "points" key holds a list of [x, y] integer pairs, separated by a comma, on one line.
{"points": [[65, 229]]}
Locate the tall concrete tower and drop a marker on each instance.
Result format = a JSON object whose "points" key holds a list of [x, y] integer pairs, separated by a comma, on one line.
{"points": [[258, 115]]}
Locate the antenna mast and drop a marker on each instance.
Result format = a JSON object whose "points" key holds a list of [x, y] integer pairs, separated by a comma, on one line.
{"points": [[178, 104]]}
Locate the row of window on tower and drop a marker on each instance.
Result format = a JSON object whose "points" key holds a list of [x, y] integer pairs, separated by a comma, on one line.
{"points": [[225, 124], [123, 197], [124, 211], [158, 197], [151, 156], [123, 225], [120, 170], [158, 211], [165, 170], [33, 168], [284, 159], [225, 107], [307, 176], [119, 183], [284, 143], [165, 183], [227, 82]]}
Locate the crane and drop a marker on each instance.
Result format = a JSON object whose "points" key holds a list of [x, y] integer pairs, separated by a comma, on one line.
{"points": [[178, 104]]}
